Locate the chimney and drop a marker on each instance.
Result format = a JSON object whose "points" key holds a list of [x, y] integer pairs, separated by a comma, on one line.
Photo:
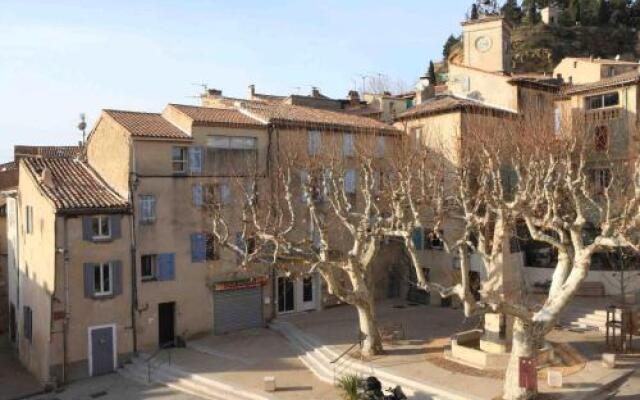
{"points": [[424, 90], [252, 91], [315, 92], [354, 98], [46, 177], [214, 92]]}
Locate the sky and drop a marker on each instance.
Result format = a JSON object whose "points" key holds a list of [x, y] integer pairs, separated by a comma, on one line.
{"points": [[62, 58]]}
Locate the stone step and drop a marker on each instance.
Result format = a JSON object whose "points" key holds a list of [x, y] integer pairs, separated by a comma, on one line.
{"points": [[179, 379], [349, 366]]}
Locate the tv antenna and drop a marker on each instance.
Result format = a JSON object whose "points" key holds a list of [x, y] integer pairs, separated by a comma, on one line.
{"points": [[82, 126]]}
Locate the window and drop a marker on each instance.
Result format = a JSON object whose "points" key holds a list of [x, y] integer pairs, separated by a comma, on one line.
{"points": [[3, 210], [29, 218], [179, 160], [304, 182], [147, 209], [611, 72], [557, 119], [149, 267], [224, 193], [378, 181], [307, 289], [380, 146], [602, 101], [601, 179], [212, 248], [198, 195], [426, 239], [601, 138], [195, 160], [348, 146], [314, 142], [100, 227], [102, 282], [350, 181], [231, 155], [27, 317]]}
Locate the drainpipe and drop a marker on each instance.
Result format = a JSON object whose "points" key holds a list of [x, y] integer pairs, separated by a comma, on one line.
{"points": [[133, 183], [65, 321]]}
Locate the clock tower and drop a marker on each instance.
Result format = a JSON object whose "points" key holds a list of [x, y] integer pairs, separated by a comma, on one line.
{"points": [[487, 43]]}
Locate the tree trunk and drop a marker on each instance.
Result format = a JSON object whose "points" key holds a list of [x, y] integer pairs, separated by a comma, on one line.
{"points": [[523, 345], [372, 342]]}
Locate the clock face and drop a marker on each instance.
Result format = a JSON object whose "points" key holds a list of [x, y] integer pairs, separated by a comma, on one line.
{"points": [[483, 44]]}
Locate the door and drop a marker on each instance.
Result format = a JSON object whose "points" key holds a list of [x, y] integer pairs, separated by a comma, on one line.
{"points": [[308, 293], [166, 323], [235, 310], [102, 350], [286, 294]]}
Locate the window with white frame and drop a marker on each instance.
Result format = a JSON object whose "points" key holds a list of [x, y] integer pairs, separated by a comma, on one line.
{"points": [[314, 142], [147, 209], [348, 146], [29, 218], [149, 267], [180, 159], [611, 99], [231, 155], [100, 227], [102, 279]]}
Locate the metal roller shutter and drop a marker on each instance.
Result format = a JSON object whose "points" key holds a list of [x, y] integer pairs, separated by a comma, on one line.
{"points": [[234, 310]]}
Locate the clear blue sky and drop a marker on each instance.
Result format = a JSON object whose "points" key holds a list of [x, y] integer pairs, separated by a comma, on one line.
{"points": [[60, 58]]}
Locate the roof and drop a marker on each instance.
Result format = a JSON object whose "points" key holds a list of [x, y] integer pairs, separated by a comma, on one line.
{"points": [[147, 125], [210, 116], [487, 18], [287, 114], [444, 104], [74, 186], [604, 61], [628, 78], [46, 151], [538, 82]]}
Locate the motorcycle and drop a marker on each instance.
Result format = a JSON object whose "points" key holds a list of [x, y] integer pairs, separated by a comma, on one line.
{"points": [[373, 391]]}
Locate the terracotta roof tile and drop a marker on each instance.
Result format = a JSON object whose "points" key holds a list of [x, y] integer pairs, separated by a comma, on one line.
{"points": [[46, 151], [286, 114], [446, 103], [627, 78], [216, 116], [147, 125], [74, 186], [605, 61]]}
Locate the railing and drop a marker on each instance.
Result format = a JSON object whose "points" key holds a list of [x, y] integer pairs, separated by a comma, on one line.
{"points": [[340, 364], [156, 354]]}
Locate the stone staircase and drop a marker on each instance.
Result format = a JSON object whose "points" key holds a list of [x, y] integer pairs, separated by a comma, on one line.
{"points": [[163, 372], [585, 317], [320, 359]]}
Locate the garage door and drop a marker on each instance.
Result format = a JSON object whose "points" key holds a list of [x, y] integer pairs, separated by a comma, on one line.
{"points": [[234, 310]]}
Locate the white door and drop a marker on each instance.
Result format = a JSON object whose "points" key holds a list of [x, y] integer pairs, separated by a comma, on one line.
{"points": [[307, 292]]}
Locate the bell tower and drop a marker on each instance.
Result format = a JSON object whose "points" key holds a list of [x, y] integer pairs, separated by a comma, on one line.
{"points": [[487, 43]]}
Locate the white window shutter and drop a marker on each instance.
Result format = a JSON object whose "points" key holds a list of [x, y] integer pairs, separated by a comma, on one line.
{"points": [[350, 181], [198, 195]]}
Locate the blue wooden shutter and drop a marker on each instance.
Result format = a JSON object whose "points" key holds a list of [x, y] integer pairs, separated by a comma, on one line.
{"points": [[88, 280], [198, 195], [166, 267], [116, 229], [198, 248], [116, 269], [418, 238], [87, 228], [195, 160]]}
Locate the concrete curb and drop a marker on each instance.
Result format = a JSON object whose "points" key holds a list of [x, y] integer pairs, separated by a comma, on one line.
{"points": [[615, 378]]}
